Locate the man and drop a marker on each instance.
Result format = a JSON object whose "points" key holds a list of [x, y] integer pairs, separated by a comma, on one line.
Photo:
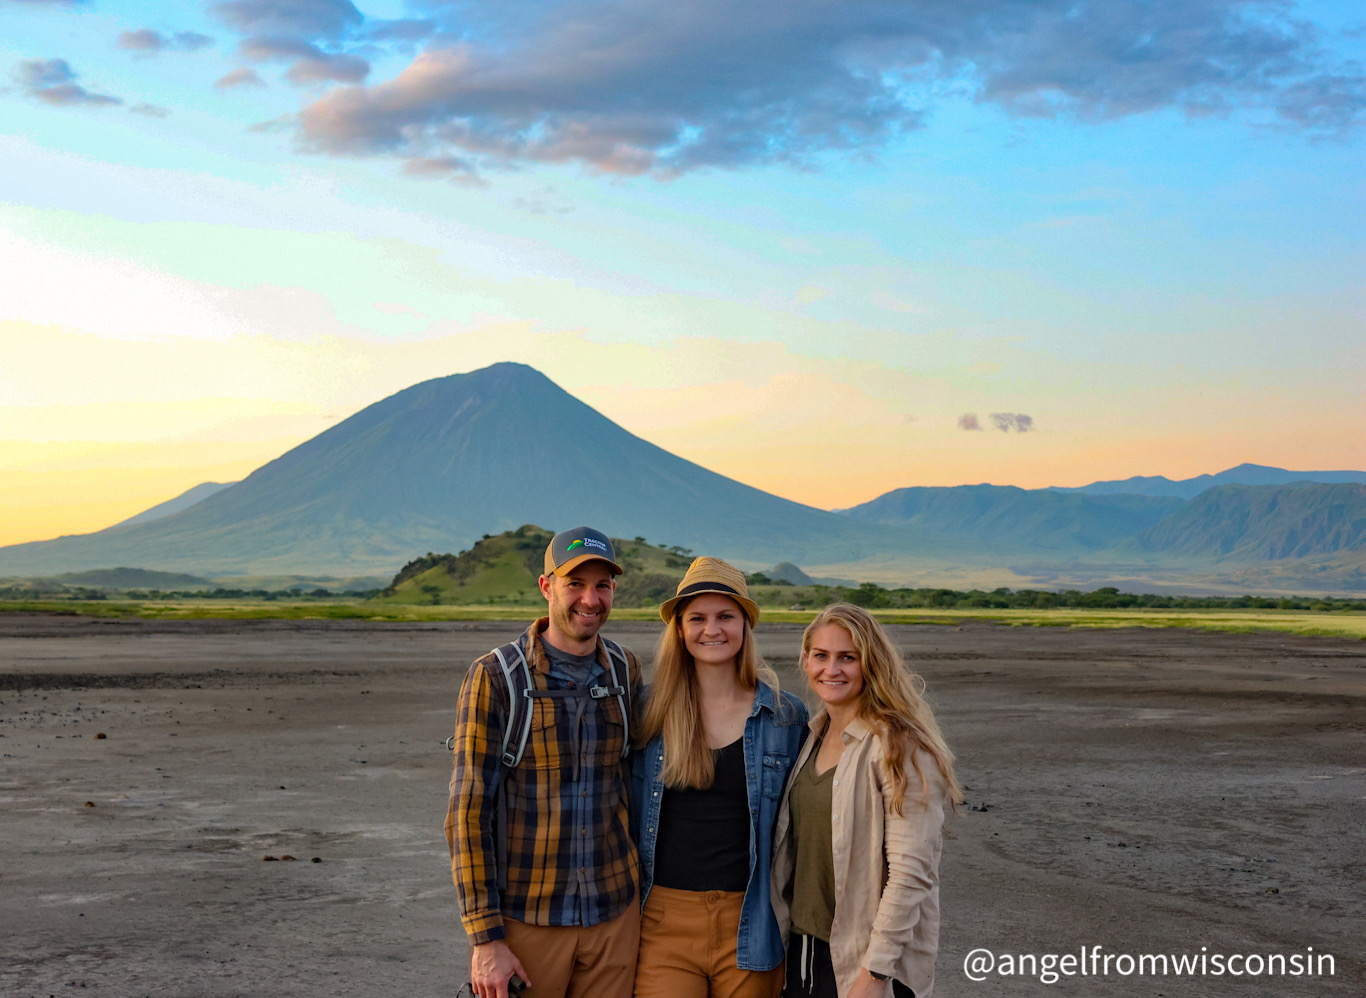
{"points": [[561, 913]]}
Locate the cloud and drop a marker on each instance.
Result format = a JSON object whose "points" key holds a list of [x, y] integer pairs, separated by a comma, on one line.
{"points": [[1324, 103], [50, 81], [312, 64], [330, 19], [190, 41], [33, 73], [968, 421], [150, 110], [268, 49], [635, 86], [239, 78], [142, 40], [149, 41], [1007, 421], [337, 67], [70, 95], [438, 166]]}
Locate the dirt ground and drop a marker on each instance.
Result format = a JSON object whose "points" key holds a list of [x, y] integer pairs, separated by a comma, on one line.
{"points": [[1144, 792]]}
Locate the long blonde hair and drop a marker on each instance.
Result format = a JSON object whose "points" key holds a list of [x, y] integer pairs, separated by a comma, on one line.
{"points": [[675, 705], [892, 701]]}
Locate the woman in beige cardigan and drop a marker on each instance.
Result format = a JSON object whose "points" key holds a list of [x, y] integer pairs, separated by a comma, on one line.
{"points": [[856, 853]]}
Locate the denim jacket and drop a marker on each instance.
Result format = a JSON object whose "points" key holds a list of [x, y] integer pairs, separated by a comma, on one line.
{"points": [[773, 737]]}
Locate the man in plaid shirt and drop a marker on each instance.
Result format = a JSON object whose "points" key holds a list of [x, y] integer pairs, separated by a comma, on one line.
{"points": [[566, 920]]}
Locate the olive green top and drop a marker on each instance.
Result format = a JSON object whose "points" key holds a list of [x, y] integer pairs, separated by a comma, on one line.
{"points": [[813, 888]]}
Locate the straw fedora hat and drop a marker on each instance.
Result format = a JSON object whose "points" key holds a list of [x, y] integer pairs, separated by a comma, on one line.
{"points": [[712, 575]]}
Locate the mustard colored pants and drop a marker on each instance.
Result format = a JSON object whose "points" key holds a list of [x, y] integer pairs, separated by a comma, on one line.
{"points": [[688, 948], [569, 961]]}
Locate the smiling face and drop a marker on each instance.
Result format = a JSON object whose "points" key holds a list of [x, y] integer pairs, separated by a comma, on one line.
{"points": [[713, 629], [834, 668], [579, 605]]}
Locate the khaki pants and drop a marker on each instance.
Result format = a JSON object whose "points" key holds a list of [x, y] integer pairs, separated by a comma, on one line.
{"points": [[688, 948], [571, 961]]}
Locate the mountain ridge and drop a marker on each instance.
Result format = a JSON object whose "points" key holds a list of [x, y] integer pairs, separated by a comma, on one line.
{"points": [[1261, 523], [1189, 488], [442, 463], [1018, 520]]}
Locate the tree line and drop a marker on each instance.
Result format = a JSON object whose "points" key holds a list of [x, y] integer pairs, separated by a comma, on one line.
{"points": [[876, 597]]}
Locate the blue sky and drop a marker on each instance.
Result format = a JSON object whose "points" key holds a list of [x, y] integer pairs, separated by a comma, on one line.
{"points": [[800, 243]]}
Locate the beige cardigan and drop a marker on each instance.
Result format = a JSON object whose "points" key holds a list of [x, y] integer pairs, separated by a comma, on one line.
{"points": [[891, 929]]}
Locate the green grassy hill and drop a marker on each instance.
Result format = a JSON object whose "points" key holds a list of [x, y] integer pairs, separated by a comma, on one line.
{"points": [[504, 569]]}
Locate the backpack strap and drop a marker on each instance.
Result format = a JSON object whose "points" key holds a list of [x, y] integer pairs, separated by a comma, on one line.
{"points": [[517, 675], [616, 655]]}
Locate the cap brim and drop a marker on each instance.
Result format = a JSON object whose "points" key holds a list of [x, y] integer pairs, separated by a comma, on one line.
{"points": [[572, 563], [751, 608]]}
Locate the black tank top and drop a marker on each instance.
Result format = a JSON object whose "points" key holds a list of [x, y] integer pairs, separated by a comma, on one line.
{"points": [[703, 841]]}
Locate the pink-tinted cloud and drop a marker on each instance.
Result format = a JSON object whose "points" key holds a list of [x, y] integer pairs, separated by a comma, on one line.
{"points": [[239, 78], [71, 95], [148, 41], [310, 63], [637, 86], [51, 81]]}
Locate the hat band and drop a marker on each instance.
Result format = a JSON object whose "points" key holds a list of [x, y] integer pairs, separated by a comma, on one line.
{"points": [[709, 587]]}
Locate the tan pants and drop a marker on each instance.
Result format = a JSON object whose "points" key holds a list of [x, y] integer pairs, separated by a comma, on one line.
{"points": [[688, 948], [571, 961]]}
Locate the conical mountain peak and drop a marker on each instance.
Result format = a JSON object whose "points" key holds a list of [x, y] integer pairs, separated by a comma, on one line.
{"points": [[437, 465]]}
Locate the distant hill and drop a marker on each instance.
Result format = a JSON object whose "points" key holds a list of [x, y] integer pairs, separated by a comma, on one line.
{"points": [[185, 500], [1013, 520], [1189, 488], [789, 573], [133, 578], [440, 464], [505, 568], [1261, 523]]}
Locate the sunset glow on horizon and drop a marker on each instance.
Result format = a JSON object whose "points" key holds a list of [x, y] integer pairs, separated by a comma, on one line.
{"points": [[852, 255]]}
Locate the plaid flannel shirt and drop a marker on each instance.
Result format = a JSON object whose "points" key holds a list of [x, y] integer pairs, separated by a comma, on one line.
{"points": [[571, 859]]}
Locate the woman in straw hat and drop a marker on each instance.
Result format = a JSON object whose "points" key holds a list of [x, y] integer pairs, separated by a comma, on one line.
{"points": [[717, 741], [856, 851]]}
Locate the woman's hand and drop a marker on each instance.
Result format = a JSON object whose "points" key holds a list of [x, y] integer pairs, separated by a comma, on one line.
{"points": [[868, 986]]}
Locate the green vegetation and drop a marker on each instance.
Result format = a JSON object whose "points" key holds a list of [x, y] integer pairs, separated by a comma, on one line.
{"points": [[503, 570], [496, 579], [49, 591], [876, 597], [1342, 624]]}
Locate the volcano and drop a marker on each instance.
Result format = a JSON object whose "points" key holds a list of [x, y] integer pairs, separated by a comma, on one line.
{"points": [[438, 465]]}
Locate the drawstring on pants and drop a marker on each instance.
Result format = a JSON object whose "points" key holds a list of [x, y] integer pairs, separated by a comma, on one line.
{"points": [[807, 978]]}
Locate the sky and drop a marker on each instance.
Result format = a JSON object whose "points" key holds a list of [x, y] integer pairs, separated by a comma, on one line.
{"points": [[826, 248]]}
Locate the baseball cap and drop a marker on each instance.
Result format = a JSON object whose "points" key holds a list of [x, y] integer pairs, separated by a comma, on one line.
{"points": [[572, 547]]}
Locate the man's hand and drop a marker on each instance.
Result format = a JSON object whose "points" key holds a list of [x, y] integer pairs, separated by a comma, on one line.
{"points": [[492, 965]]}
